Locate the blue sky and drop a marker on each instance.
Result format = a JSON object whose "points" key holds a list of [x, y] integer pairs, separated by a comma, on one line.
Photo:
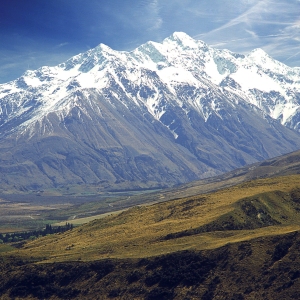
{"points": [[34, 33]]}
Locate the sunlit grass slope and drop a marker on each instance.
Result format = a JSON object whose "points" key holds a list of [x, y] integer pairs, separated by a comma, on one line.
{"points": [[253, 209]]}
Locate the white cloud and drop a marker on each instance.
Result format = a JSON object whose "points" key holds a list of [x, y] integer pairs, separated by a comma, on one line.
{"points": [[61, 45], [239, 26], [252, 13], [154, 18], [269, 24]]}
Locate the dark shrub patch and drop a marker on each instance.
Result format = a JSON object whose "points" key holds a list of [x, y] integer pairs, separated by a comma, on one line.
{"points": [[137, 291], [248, 290], [208, 295], [186, 268], [102, 268], [19, 291], [58, 281], [114, 293], [295, 274], [152, 279], [134, 276], [160, 294], [244, 250], [238, 297], [281, 250]]}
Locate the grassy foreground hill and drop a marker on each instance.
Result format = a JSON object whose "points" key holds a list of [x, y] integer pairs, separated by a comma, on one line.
{"points": [[240, 242]]}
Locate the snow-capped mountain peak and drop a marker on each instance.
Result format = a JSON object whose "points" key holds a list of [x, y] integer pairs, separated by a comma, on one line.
{"points": [[183, 40], [178, 60], [178, 109]]}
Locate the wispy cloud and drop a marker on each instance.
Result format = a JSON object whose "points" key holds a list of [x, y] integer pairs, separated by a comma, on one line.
{"points": [[61, 45], [245, 17], [297, 54], [23, 60], [239, 26], [269, 24], [154, 17]]}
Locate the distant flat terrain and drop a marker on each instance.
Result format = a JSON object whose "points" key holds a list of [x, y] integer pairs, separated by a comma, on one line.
{"points": [[61, 207]]}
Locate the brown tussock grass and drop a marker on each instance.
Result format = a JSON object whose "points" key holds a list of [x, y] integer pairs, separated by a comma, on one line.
{"points": [[140, 231]]}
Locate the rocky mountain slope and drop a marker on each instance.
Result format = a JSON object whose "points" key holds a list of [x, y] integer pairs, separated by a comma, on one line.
{"points": [[159, 115]]}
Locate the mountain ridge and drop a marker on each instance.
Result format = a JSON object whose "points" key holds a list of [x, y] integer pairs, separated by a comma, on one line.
{"points": [[107, 117]]}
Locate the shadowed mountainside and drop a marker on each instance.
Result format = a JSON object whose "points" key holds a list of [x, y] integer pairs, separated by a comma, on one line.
{"points": [[287, 164]]}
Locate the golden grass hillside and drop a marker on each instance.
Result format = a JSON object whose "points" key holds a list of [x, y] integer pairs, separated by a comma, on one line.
{"points": [[258, 208]]}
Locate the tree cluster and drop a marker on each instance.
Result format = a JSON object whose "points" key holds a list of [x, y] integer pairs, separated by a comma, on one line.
{"points": [[31, 235]]}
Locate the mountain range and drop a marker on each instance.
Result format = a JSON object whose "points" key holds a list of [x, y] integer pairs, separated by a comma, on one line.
{"points": [[163, 114]]}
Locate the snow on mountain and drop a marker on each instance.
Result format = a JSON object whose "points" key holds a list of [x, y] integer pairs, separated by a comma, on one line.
{"points": [[213, 107], [256, 77]]}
